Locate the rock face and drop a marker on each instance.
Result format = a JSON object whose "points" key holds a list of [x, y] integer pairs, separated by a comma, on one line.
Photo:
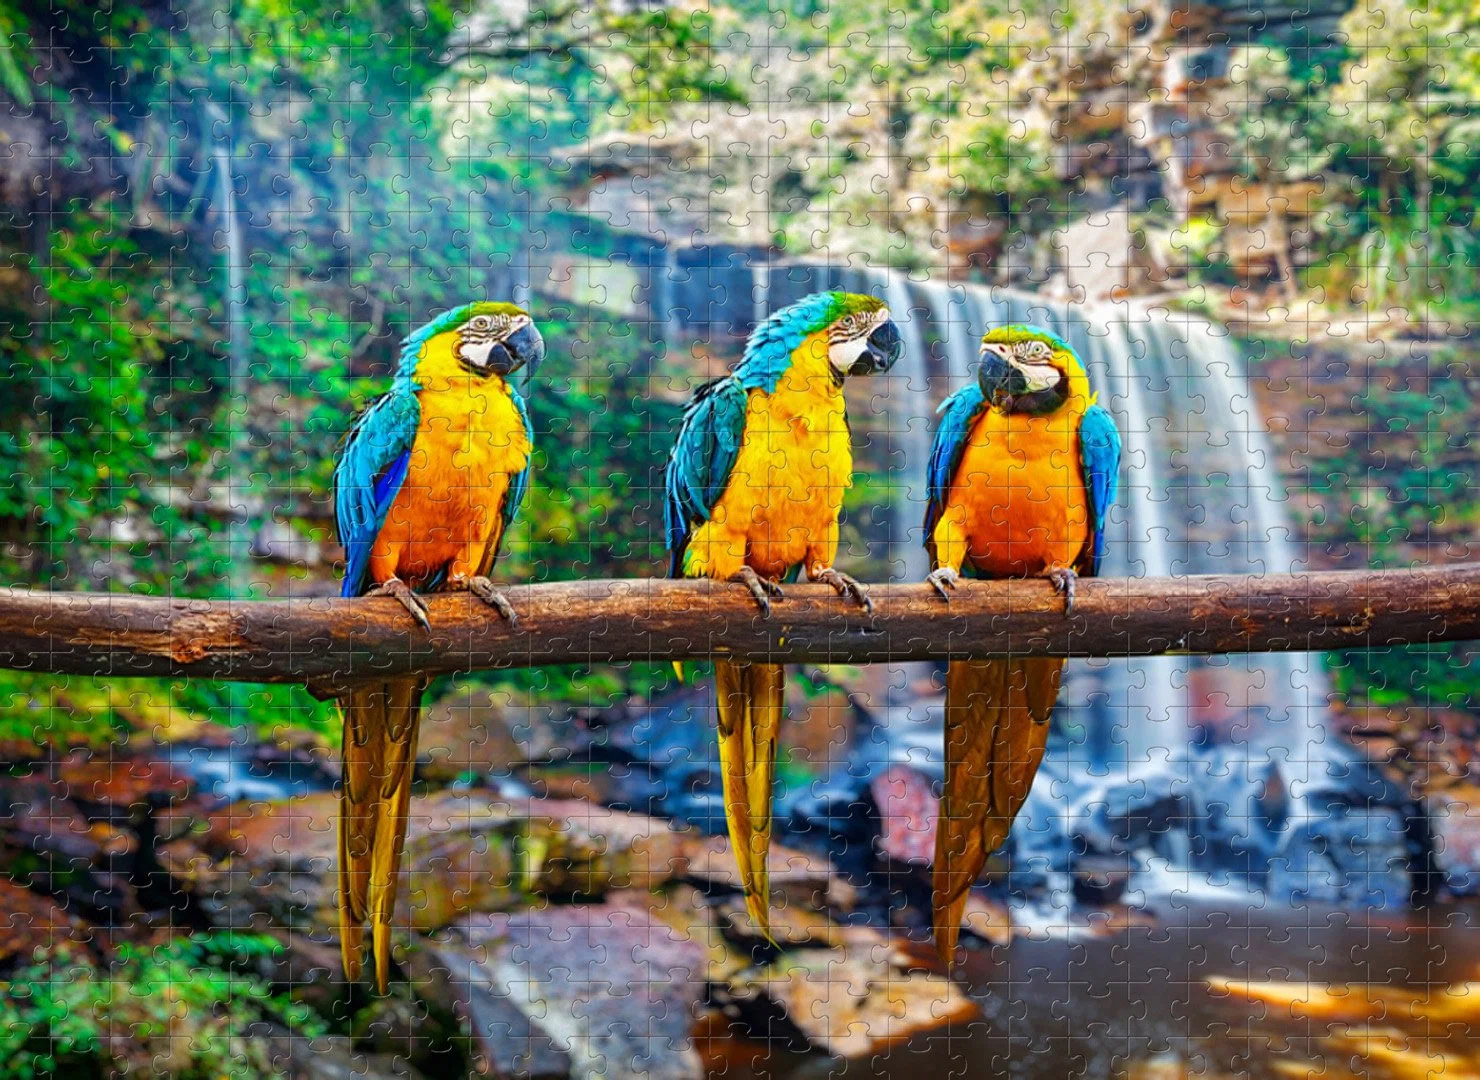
{"points": [[598, 990]]}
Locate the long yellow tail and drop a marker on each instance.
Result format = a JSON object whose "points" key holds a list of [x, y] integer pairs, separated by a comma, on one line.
{"points": [[750, 704], [997, 715], [380, 723]]}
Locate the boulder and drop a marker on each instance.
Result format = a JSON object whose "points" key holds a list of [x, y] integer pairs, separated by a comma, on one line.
{"points": [[49, 844], [909, 814], [797, 877], [853, 1007], [793, 926], [465, 851], [990, 920], [600, 990], [1454, 816], [467, 734], [686, 910]]}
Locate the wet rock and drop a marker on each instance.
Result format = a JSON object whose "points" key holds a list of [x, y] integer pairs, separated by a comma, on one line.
{"points": [[30, 921], [609, 985], [122, 787], [263, 864], [853, 1008], [47, 843], [589, 849], [1118, 918], [797, 877], [504, 1040], [468, 733], [989, 920], [686, 910], [1454, 815], [311, 964], [909, 811], [793, 926], [464, 852], [330, 1058]]}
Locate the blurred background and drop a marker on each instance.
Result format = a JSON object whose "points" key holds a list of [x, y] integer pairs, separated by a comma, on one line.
{"points": [[1255, 222]]}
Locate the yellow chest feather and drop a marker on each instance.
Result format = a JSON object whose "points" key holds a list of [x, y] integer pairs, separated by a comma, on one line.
{"points": [[472, 427], [794, 465]]}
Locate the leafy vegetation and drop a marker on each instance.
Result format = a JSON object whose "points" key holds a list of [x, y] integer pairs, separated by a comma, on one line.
{"points": [[182, 1009]]}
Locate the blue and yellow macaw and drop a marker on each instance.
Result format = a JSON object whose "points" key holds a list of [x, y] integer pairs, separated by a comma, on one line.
{"points": [[754, 488], [1022, 474], [427, 483]]}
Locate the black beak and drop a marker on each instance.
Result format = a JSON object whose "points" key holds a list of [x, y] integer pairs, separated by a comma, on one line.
{"points": [[885, 346], [999, 380], [524, 348]]}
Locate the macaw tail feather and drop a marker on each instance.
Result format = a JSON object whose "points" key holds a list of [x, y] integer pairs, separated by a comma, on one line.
{"points": [[380, 723], [997, 715], [750, 704]]}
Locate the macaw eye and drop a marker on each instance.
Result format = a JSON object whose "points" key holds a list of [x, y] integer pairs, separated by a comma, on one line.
{"points": [[1037, 349], [481, 323]]}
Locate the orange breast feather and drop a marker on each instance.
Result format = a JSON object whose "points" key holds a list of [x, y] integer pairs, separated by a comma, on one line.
{"points": [[1020, 494], [448, 513]]}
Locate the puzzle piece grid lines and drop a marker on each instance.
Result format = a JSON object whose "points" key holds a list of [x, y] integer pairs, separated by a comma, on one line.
{"points": [[1243, 231]]}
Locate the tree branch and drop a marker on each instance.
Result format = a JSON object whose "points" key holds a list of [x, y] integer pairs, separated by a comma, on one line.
{"points": [[323, 642]]}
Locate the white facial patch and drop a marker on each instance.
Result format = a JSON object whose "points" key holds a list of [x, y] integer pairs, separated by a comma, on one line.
{"points": [[844, 354], [475, 353], [1039, 376]]}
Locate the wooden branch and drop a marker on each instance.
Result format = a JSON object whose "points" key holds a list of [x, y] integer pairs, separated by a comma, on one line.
{"points": [[323, 642]]}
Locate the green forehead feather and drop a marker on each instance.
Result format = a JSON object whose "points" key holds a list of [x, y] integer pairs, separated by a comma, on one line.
{"points": [[451, 320], [848, 303], [1016, 332]]}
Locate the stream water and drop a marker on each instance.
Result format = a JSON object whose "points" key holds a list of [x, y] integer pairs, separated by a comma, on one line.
{"points": [[1137, 1002]]}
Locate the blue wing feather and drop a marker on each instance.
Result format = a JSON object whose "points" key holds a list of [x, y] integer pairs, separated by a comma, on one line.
{"points": [[372, 467], [702, 458], [519, 483], [958, 413], [1099, 451]]}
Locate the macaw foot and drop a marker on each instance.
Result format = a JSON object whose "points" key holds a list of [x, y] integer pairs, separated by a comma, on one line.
{"points": [[1063, 581], [943, 578], [845, 585], [484, 590], [409, 599], [760, 588]]}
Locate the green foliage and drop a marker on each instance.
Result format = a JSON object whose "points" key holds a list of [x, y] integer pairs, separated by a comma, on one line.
{"points": [[182, 1009]]}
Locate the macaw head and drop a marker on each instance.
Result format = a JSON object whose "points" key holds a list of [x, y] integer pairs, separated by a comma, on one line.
{"points": [[484, 338], [1029, 371], [856, 330], [861, 337]]}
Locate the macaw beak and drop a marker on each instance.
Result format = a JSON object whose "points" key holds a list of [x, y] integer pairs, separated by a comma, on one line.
{"points": [[885, 346], [524, 348], [1000, 381]]}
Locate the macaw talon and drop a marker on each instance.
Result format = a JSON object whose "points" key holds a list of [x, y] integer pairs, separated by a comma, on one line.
{"points": [[1064, 580], [846, 586], [409, 599], [943, 578], [760, 588], [484, 590]]}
